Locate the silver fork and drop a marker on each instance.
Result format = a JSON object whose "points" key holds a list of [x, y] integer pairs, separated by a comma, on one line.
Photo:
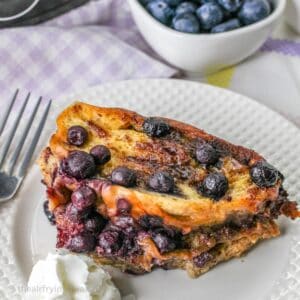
{"points": [[11, 179]]}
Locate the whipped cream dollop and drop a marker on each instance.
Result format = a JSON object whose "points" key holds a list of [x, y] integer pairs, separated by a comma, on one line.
{"points": [[69, 277]]}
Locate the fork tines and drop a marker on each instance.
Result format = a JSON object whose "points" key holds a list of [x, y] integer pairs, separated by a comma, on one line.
{"points": [[23, 137]]}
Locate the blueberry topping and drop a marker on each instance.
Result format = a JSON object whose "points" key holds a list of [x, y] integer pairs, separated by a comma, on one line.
{"points": [[79, 164], [214, 185], [101, 154], [124, 222], [77, 135], [163, 242], [186, 7], [231, 5], [160, 10], [84, 242], [201, 260], [123, 206], [206, 154], [150, 222], [186, 22], [109, 241], [48, 213], [74, 215], [162, 182], [253, 11], [156, 127], [94, 224], [210, 14], [264, 175], [123, 176], [227, 26], [83, 198]]}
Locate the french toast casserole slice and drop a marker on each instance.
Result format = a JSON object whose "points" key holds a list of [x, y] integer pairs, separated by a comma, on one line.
{"points": [[140, 193]]}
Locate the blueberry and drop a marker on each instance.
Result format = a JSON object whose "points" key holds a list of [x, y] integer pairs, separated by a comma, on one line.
{"points": [[253, 11], [173, 2], [150, 222], [110, 241], [74, 215], [124, 222], [123, 176], [163, 242], [155, 127], [264, 175], [206, 154], [210, 14], [206, 1], [79, 164], [186, 7], [231, 5], [84, 242], [83, 198], [123, 206], [48, 213], [160, 10], [227, 26], [162, 182], [77, 135], [214, 185], [101, 154], [201, 260], [186, 22], [94, 224]]}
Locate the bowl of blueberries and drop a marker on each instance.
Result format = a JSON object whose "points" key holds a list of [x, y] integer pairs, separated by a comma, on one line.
{"points": [[204, 36]]}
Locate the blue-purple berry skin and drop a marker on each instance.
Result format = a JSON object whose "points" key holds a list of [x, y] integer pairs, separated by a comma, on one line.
{"points": [[161, 11], [186, 7], [253, 11], [187, 23], [83, 198], [227, 26], [210, 14], [77, 135]]}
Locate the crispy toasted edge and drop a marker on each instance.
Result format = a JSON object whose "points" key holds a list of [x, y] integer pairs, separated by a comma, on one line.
{"points": [[131, 118]]}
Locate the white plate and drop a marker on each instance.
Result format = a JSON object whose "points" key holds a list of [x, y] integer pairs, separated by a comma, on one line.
{"points": [[270, 271]]}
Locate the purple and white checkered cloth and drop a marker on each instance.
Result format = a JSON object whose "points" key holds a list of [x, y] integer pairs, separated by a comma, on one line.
{"points": [[99, 42], [95, 43]]}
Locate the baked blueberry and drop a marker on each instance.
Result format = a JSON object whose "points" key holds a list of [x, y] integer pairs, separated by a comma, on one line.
{"points": [[79, 164], [77, 135], [186, 7], [123, 206], [94, 223], [156, 127], [50, 216], [101, 154], [123, 176], [201, 260], [231, 5], [83, 198], [253, 11], [110, 241], [227, 26], [160, 10], [74, 215], [84, 242], [264, 175], [206, 154], [210, 14], [162, 182], [214, 185], [150, 222], [163, 242], [186, 22]]}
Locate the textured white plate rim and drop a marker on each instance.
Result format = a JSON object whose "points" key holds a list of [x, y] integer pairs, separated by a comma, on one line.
{"points": [[93, 92]]}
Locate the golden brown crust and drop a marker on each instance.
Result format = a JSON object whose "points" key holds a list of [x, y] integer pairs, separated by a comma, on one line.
{"points": [[185, 209]]}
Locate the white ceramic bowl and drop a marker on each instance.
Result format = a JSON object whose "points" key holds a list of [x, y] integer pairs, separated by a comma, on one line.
{"points": [[292, 15], [204, 53]]}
